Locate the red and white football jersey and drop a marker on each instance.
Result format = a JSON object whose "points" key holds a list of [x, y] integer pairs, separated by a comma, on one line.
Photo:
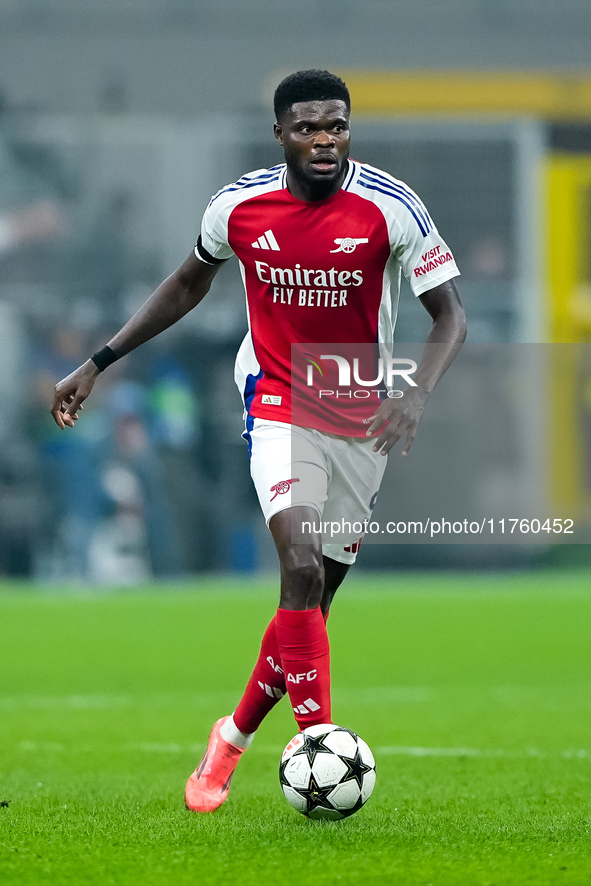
{"points": [[322, 271]]}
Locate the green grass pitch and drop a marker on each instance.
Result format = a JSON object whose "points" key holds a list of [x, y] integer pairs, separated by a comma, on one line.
{"points": [[474, 692]]}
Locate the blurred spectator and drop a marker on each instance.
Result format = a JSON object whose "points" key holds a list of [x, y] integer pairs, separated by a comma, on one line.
{"points": [[112, 521], [173, 405], [22, 509], [140, 527], [176, 425], [30, 185], [75, 508]]}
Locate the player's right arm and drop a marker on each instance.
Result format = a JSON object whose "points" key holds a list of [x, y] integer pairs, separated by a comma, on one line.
{"points": [[174, 298]]}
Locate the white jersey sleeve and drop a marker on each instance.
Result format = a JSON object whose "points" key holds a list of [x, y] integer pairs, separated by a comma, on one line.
{"points": [[213, 246], [426, 260], [213, 240], [416, 244]]}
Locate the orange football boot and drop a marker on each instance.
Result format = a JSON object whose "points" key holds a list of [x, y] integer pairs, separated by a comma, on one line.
{"points": [[209, 785]]}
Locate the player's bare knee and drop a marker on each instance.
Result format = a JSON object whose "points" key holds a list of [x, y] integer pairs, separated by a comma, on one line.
{"points": [[302, 580]]}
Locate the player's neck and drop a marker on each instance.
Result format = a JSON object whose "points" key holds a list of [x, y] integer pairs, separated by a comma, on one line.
{"points": [[312, 192]]}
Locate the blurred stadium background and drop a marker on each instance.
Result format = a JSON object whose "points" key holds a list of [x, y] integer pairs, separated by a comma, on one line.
{"points": [[117, 122]]}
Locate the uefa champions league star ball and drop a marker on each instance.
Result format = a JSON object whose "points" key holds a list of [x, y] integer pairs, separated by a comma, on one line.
{"points": [[327, 771]]}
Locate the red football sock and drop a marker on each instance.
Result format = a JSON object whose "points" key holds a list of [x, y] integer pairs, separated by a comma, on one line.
{"points": [[265, 687], [305, 657]]}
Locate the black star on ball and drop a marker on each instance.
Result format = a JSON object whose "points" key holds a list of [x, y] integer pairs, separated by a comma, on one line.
{"points": [[313, 746], [316, 796], [356, 769]]}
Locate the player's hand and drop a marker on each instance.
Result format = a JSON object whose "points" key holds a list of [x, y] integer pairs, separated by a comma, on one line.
{"points": [[70, 393], [396, 417]]}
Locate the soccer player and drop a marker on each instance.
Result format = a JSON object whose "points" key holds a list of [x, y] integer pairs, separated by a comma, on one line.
{"points": [[321, 241]]}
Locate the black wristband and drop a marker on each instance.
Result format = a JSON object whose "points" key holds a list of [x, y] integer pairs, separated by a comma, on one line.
{"points": [[104, 358]]}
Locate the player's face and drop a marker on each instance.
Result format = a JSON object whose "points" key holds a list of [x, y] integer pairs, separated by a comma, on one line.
{"points": [[315, 137]]}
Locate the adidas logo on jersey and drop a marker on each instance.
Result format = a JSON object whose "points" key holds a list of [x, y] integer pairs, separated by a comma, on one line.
{"points": [[267, 241]]}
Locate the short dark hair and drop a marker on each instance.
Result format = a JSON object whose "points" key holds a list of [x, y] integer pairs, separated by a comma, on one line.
{"points": [[309, 86]]}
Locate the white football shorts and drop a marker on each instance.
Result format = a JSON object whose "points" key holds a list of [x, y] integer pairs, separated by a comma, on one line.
{"points": [[337, 476]]}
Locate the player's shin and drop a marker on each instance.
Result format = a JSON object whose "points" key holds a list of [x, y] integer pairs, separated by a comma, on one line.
{"points": [[305, 658]]}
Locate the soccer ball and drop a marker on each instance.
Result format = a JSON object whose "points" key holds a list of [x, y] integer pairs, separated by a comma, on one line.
{"points": [[327, 771]]}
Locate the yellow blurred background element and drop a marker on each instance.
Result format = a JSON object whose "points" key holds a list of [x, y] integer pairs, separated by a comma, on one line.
{"points": [[561, 95]]}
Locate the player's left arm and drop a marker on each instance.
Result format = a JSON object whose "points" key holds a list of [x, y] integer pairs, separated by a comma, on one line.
{"points": [[400, 417]]}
